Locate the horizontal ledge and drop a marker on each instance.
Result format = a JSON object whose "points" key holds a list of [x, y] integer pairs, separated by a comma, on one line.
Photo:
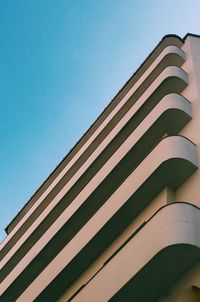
{"points": [[154, 126], [172, 233], [171, 154]]}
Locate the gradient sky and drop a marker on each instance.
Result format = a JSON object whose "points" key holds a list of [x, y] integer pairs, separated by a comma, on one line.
{"points": [[61, 62]]}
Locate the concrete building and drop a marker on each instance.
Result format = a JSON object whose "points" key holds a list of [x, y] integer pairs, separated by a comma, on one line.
{"points": [[119, 218]]}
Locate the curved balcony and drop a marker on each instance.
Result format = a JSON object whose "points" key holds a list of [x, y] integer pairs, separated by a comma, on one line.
{"points": [[159, 254], [161, 166], [169, 116]]}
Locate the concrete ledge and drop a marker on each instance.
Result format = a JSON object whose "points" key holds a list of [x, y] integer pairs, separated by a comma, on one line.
{"points": [[159, 253]]}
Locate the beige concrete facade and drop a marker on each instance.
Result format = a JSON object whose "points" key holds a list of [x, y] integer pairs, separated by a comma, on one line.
{"points": [[119, 218]]}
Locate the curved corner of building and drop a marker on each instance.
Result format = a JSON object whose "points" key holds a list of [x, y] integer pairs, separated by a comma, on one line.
{"points": [[167, 245], [174, 245]]}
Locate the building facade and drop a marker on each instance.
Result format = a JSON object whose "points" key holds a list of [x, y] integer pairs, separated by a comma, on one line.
{"points": [[119, 218]]}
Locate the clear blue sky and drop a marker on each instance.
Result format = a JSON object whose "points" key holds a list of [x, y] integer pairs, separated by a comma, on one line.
{"points": [[61, 62]]}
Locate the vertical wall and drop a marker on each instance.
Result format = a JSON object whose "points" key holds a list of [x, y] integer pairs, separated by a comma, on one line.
{"points": [[190, 191]]}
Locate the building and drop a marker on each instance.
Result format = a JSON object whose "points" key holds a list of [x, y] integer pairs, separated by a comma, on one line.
{"points": [[119, 218]]}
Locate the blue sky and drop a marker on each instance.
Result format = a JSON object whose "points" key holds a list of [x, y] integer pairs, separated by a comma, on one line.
{"points": [[61, 62]]}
